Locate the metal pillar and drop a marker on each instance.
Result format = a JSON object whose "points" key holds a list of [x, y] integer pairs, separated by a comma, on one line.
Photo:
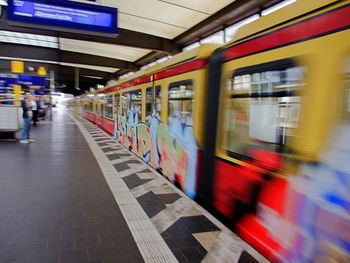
{"points": [[77, 78]]}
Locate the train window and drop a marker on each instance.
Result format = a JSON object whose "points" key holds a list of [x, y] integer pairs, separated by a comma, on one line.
{"points": [[98, 107], [125, 103], [102, 102], [181, 101], [149, 100], [90, 105], [108, 107], [153, 103], [136, 102], [99, 100], [116, 104], [263, 107], [158, 101]]}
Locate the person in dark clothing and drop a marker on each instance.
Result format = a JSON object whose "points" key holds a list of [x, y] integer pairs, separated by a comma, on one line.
{"points": [[27, 117]]}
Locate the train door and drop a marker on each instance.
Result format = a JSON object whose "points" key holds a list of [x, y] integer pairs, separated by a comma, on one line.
{"points": [[131, 117], [108, 107], [177, 142], [116, 110], [99, 107], [116, 105], [260, 113], [148, 131]]}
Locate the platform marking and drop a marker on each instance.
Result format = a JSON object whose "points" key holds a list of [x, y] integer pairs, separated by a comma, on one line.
{"points": [[149, 241], [212, 242]]}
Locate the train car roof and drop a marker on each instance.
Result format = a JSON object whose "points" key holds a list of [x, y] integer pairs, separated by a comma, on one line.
{"points": [[295, 10], [203, 51]]}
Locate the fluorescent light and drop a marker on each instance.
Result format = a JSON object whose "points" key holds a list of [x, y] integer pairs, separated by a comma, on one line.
{"points": [[216, 38], [162, 59], [91, 77], [192, 46], [126, 75], [277, 7], [28, 39], [98, 68], [30, 60]]}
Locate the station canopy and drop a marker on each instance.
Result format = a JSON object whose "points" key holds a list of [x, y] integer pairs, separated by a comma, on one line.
{"points": [[148, 30]]}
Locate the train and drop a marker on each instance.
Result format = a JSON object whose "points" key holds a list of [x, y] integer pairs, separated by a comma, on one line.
{"points": [[256, 130]]}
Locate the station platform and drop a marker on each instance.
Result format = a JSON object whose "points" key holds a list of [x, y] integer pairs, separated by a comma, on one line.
{"points": [[77, 196]]}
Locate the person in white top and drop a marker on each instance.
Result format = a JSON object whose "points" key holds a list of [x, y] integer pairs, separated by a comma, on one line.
{"points": [[34, 109]]}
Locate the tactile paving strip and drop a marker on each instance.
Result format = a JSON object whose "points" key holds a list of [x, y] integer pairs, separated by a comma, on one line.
{"points": [[167, 225]]}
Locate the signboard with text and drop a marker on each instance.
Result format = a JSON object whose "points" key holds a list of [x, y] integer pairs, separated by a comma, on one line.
{"points": [[64, 15], [7, 80], [29, 80]]}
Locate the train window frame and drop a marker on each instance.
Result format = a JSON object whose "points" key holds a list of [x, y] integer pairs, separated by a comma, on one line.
{"points": [[154, 91], [88, 105], [91, 105], [159, 96], [149, 101], [125, 103], [98, 107], [108, 105], [293, 92], [133, 101], [175, 84], [116, 104]]}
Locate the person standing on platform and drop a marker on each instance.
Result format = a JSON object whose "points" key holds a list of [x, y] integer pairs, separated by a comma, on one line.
{"points": [[27, 117]]}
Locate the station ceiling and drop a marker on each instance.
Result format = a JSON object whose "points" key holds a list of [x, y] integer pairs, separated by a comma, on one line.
{"points": [[149, 30]]}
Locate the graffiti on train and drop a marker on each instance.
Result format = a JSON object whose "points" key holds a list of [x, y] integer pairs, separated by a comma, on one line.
{"points": [[170, 148]]}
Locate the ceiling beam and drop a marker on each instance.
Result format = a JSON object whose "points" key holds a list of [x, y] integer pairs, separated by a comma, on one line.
{"points": [[81, 58], [70, 71], [148, 58], [125, 38], [55, 55], [29, 52], [229, 15]]}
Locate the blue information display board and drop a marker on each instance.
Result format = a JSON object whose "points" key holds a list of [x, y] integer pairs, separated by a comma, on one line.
{"points": [[32, 80], [64, 14], [7, 81]]}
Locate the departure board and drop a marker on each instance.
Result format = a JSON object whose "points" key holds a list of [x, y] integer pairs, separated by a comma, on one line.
{"points": [[63, 15]]}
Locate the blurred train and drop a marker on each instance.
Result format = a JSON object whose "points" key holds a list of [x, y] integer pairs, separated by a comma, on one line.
{"points": [[258, 129]]}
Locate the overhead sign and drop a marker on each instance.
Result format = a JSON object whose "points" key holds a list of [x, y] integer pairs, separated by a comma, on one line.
{"points": [[42, 71], [64, 15], [17, 66], [6, 80], [32, 80]]}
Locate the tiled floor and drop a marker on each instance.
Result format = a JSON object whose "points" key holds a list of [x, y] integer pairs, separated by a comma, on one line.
{"points": [[77, 196], [55, 205], [191, 234]]}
